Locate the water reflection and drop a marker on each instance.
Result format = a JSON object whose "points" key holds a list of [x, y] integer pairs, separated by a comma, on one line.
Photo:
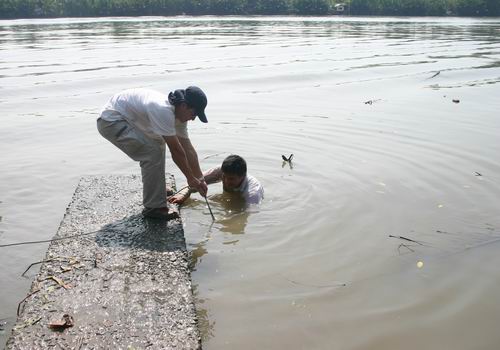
{"points": [[246, 29], [234, 212], [206, 326], [231, 216], [230, 210], [197, 251], [325, 40]]}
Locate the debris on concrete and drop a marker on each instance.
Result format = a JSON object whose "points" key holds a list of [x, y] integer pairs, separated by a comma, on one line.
{"points": [[126, 286]]}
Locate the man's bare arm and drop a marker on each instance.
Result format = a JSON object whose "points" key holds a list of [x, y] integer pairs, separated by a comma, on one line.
{"points": [[211, 176], [180, 159], [192, 156]]}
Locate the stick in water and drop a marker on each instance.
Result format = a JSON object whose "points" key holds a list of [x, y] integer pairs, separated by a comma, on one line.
{"points": [[208, 204]]}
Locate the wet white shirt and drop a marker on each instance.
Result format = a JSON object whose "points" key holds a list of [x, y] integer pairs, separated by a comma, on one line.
{"points": [[146, 109], [250, 188]]}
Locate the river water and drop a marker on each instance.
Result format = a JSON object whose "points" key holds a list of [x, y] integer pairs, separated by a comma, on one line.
{"points": [[385, 151]]}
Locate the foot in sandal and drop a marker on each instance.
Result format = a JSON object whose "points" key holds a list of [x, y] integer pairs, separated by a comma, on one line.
{"points": [[160, 213]]}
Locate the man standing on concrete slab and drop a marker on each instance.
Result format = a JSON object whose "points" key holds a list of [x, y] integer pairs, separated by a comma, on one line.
{"points": [[140, 122]]}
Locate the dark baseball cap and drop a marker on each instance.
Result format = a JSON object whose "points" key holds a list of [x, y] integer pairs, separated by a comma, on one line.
{"points": [[197, 99]]}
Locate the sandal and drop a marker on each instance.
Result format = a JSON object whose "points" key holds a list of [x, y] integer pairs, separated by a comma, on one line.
{"points": [[160, 213]]}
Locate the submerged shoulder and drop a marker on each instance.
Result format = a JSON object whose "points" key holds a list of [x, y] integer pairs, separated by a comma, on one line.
{"points": [[253, 182], [255, 190]]}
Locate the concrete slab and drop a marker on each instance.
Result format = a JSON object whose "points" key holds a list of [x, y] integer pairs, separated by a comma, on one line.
{"points": [[125, 286]]}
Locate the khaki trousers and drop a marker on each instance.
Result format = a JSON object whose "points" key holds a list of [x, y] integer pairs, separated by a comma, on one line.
{"points": [[148, 152]]}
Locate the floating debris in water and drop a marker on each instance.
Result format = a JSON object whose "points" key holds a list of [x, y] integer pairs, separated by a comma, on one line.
{"points": [[420, 264], [402, 245], [435, 75], [406, 239], [370, 102], [456, 100], [477, 174], [287, 161], [329, 285]]}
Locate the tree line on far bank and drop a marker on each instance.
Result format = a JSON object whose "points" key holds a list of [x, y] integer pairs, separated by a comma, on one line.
{"points": [[93, 8]]}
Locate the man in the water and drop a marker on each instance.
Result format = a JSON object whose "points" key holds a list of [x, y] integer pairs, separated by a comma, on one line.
{"points": [[234, 177]]}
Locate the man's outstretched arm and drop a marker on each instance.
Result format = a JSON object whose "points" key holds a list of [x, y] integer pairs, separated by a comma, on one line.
{"points": [[211, 176]]}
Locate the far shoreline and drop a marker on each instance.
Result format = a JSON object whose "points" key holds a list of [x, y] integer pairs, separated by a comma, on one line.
{"points": [[244, 17]]}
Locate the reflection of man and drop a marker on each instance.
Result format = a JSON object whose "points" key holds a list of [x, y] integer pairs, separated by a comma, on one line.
{"points": [[234, 177]]}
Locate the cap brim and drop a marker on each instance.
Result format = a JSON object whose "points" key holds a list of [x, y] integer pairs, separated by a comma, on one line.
{"points": [[202, 117]]}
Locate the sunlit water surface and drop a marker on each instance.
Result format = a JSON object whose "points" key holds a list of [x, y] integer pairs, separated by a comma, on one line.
{"points": [[380, 149]]}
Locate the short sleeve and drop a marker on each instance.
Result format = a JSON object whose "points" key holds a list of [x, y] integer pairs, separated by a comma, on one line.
{"points": [[162, 119], [181, 129]]}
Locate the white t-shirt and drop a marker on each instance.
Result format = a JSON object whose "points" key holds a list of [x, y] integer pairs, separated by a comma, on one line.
{"points": [[250, 188], [146, 109]]}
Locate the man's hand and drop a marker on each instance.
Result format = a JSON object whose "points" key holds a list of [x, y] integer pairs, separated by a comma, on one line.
{"points": [[203, 188], [178, 199], [200, 186]]}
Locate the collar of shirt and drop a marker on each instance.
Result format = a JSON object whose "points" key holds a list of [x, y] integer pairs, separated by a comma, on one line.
{"points": [[244, 185]]}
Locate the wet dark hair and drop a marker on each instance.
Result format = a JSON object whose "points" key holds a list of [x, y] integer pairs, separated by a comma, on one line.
{"points": [[234, 165], [176, 97]]}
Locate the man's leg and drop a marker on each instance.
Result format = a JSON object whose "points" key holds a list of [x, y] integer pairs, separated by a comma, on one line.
{"points": [[149, 153], [154, 190]]}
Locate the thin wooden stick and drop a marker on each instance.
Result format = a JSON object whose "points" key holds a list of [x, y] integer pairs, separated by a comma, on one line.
{"points": [[36, 263], [22, 301], [210, 209], [406, 239], [49, 240]]}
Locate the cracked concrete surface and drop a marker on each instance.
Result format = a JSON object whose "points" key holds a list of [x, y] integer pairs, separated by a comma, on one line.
{"points": [[127, 285]]}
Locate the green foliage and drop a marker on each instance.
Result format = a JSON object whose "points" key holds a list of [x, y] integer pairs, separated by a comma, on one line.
{"points": [[426, 7], [227, 7], [312, 7], [78, 8], [471, 8], [269, 7], [196, 7]]}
